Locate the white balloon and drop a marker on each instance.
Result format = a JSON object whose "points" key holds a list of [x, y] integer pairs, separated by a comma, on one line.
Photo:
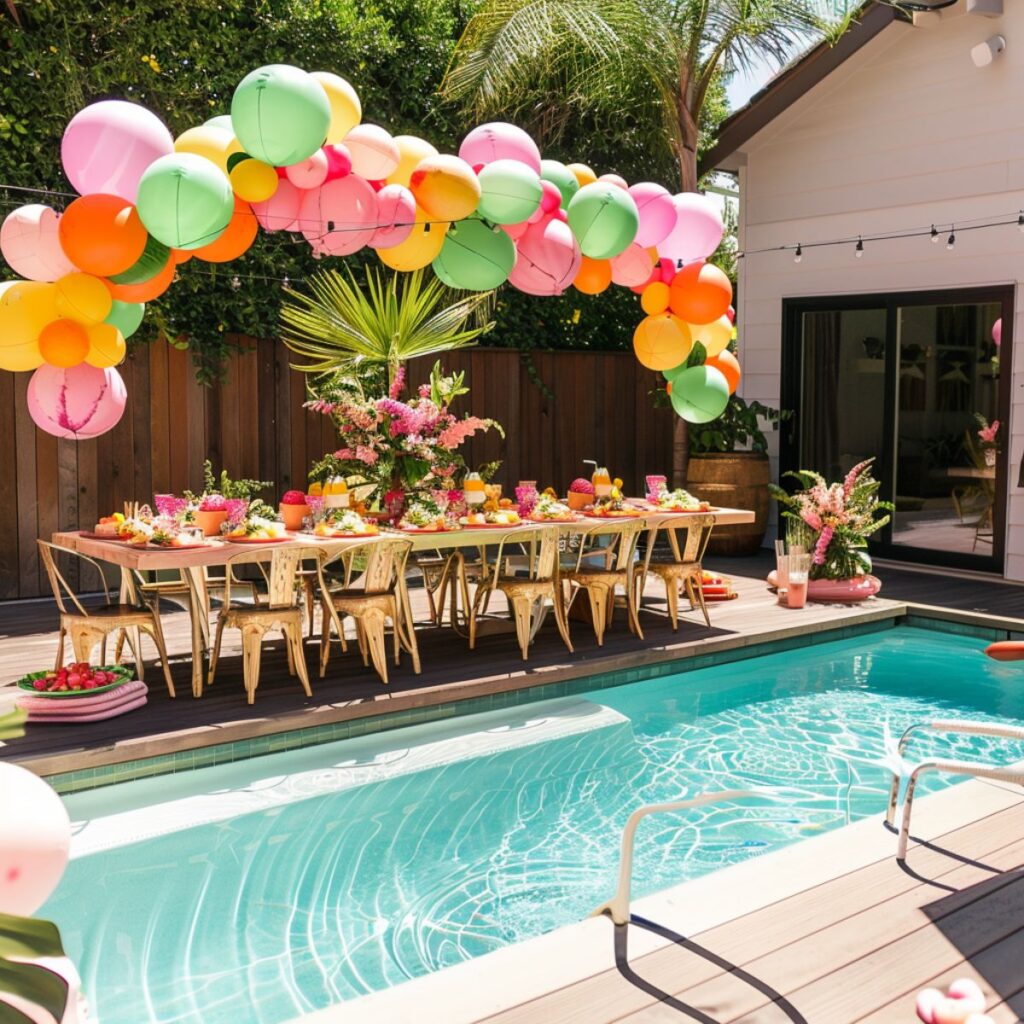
{"points": [[30, 243]]}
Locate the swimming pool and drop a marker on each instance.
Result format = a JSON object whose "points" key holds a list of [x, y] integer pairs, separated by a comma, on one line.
{"points": [[258, 890]]}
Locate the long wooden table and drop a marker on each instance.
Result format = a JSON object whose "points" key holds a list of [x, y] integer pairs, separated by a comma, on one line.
{"points": [[191, 562]]}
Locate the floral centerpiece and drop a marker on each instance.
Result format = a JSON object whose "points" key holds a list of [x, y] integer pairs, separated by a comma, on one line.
{"points": [[987, 433], [834, 521], [400, 445]]}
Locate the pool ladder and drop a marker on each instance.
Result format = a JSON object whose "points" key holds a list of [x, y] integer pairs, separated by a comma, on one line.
{"points": [[1012, 773], [618, 906]]}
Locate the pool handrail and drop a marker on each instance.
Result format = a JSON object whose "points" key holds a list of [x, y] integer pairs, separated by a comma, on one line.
{"points": [[1011, 773], [618, 906]]}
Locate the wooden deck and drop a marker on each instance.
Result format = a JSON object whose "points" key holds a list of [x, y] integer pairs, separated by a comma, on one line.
{"points": [[855, 949], [450, 672]]}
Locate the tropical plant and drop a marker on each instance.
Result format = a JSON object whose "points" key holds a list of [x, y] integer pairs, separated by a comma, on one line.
{"points": [[343, 328], [737, 427], [22, 940], [834, 521], [656, 62]]}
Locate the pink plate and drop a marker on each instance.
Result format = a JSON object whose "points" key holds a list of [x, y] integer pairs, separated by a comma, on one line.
{"points": [[257, 540], [113, 538]]}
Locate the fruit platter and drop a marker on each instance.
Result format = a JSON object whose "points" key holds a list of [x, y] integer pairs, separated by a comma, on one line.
{"points": [[107, 528], [344, 522], [255, 528], [548, 509], [678, 500], [77, 680], [613, 508], [491, 519], [422, 516]]}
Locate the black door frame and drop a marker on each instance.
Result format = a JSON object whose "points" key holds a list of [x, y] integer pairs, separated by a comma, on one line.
{"points": [[791, 366]]}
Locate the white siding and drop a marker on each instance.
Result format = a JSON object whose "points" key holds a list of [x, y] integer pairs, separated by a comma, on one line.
{"points": [[906, 133]]}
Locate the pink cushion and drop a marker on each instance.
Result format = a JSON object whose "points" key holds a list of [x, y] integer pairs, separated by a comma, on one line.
{"points": [[72, 707], [85, 715]]}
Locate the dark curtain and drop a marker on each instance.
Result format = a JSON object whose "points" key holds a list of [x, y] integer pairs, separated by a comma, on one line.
{"points": [[819, 413]]}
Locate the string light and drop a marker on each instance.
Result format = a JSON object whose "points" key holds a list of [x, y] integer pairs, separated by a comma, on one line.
{"points": [[1020, 221], [951, 241], [859, 250], [285, 282], [236, 282], [799, 254], [935, 234]]}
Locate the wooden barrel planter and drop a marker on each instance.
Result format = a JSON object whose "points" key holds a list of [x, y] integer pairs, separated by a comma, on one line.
{"points": [[733, 480]]}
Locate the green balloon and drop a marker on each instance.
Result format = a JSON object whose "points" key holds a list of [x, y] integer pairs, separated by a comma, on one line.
{"points": [[510, 192], [184, 200], [560, 176], [475, 257], [700, 394], [153, 259], [604, 219], [280, 114], [221, 121], [126, 316]]}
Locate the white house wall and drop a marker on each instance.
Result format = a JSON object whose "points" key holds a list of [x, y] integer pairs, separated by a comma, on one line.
{"points": [[906, 133]]}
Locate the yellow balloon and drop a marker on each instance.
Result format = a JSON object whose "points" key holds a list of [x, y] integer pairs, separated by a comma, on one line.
{"points": [[83, 297], [584, 175], [446, 187], [253, 180], [662, 341], [346, 110], [715, 336], [207, 140], [106, 346], [411, 151], [420, 248], [26, 307]]}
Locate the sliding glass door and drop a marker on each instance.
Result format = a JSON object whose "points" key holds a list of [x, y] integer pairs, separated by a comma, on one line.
{"points": [[920, 382]]}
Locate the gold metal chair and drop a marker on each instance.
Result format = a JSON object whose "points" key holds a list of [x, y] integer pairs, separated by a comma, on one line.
{"points": [[371, 591], [685, 570], [254, 621], [527, 595], [599, 581], [87, 628]]}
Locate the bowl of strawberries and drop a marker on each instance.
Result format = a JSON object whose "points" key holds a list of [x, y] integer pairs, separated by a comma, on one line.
{"points": [[76, 680]]}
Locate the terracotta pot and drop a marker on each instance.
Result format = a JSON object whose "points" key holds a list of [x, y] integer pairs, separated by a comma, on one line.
{"points": [[578, 501], [733, 480], [292, 515], [211, 522]]}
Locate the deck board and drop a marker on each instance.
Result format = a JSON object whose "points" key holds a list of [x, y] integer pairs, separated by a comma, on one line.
{"points": [[856, 948]]}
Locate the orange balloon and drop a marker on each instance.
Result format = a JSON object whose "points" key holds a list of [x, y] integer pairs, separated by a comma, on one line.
{"points": [[147, 290], [700, 293], [730, 367], [594, 276], [181, 255], [102, 234], [654, 298], [63, 343], [662, 342], [234, 240], [668, 388]]}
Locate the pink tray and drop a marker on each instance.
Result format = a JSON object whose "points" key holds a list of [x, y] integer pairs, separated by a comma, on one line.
{"points": [[94, 716], [74, 708]]}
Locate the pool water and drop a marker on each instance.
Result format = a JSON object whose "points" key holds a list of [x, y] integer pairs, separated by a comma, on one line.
{"points": [[259, 890]]}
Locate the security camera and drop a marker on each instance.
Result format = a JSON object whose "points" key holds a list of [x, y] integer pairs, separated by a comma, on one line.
{"points": [[984, 53]]}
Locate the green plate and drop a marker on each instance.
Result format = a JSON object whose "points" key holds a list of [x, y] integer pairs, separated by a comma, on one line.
{"points": [[25, 683]]}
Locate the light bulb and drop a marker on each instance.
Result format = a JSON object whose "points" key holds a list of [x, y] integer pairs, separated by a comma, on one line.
{"points": [[285, 282], [951, 241], [236, 283], [799, 254], [935, 234], [859, 250]]}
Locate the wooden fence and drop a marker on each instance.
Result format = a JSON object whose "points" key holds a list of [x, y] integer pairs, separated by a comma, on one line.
{"points": [[253, 425]]}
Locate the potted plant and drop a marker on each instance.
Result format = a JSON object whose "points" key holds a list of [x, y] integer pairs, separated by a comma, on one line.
{"points": [[833, 523], [729, 468], [222, 498]]}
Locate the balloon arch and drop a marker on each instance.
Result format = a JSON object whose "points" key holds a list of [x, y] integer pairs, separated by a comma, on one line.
{"points": [[293, 155]]}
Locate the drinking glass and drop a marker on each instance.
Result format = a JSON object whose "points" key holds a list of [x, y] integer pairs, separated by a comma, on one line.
{"points": [[798, 572]]}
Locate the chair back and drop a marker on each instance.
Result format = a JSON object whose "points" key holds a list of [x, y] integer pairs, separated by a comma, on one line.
{"points": [[697, 529], [279, 570], [539, 557], [63, 593], [376, 565], [623, 536]]}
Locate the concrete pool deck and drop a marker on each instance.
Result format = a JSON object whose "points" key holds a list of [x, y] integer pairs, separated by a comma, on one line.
{"points": [[830, 930]]}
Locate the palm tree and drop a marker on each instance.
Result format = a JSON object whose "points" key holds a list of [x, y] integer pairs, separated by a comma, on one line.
{"points": [[342, 327], [544, 63]]}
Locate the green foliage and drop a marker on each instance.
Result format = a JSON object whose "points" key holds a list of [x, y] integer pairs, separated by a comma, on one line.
{"points": [[26, 939], [342, 326], [12, 724], [737, 427], [226, 487]]}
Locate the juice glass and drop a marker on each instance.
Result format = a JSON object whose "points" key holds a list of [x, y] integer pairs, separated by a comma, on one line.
{"points": [[796, 584]]}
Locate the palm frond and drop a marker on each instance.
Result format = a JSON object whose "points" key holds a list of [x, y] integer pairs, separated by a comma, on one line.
{"points": [[342, 324]]}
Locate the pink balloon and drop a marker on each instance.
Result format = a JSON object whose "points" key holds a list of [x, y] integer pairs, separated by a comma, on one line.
{"points": [[997, 327], [561, 215], [698, 229], [341, 215], [515, 231], [108, 145], [34, 842], [615, 179], [632, 267], [279, 212], [339, 161], [309, 173], [731, 314], [551, 198], [537, 216], [77, 403], [499, 140], [374, 153], [549, 258], [656, 209], [667, 269], [30, 243], [655, 275], [396, 217]]}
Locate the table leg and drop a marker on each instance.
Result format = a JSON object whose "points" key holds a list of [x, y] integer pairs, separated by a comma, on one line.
{"points": [[198, 610]]}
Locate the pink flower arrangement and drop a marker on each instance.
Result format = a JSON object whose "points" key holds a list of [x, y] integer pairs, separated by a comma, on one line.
{"points": [[988, 432]]}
